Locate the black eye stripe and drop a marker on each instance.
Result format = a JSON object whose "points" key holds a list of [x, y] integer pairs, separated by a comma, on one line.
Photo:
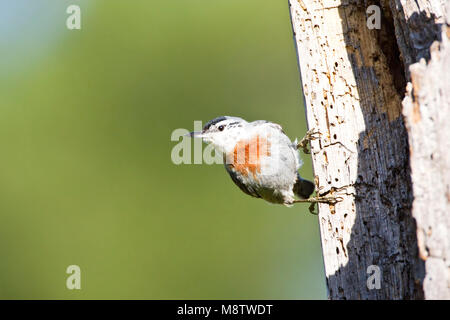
{"points": [[213, 122]]}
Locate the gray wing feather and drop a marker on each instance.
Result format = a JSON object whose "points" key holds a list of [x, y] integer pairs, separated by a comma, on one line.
{"points": [[272, 124], [237, 179]]}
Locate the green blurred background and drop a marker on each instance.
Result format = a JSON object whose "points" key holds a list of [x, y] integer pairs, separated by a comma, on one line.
{"points": [[86, 175]]}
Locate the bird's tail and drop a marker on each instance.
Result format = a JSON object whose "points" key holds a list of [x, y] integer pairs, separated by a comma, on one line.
{"points": [[303, 188]]}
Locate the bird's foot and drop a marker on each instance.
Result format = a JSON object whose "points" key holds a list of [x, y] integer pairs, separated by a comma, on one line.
{"points": [[312, 134], [319, 199]]}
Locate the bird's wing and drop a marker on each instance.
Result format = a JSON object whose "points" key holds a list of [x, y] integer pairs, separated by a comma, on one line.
{"points": [[272, 124], [238, 180]]}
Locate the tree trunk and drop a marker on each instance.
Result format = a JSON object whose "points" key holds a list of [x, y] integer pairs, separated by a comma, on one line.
{"points": [[374, 151], [427, 114]]}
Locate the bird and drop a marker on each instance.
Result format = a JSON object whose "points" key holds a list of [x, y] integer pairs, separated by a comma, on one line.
{"points": [[261, 159]]}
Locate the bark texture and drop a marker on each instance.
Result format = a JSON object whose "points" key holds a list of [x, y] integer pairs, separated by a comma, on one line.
{"points": [[354, 80], [426, 108]]}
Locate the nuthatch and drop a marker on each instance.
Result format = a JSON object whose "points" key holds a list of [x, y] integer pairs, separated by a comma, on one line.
{"points": [[261, 159]]}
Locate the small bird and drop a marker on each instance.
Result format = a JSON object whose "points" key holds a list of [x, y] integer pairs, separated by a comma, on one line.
{"points": [[261, 159]]}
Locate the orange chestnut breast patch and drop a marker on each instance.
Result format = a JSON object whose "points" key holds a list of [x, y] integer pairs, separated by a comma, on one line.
{"points": [[247, 155]]}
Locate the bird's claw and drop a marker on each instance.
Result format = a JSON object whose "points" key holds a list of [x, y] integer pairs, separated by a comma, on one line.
{"points": [[327, 199], [310, 135], [320, 199]]}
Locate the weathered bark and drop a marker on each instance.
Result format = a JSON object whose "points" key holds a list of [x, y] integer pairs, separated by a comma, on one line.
{"points": [[427, 114], [354, 80]]}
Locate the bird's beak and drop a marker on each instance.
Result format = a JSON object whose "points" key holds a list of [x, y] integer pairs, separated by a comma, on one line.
{"points": [[195, 134]]}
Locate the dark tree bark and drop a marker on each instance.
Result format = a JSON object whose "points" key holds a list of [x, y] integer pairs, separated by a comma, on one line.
{"points": [[378, 96]]}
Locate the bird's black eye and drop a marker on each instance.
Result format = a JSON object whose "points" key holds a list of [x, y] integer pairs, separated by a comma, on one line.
{"points": [[221, 128]]}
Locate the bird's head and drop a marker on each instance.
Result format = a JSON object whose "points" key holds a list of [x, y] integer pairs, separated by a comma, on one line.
{"points": [[221, 132]]}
